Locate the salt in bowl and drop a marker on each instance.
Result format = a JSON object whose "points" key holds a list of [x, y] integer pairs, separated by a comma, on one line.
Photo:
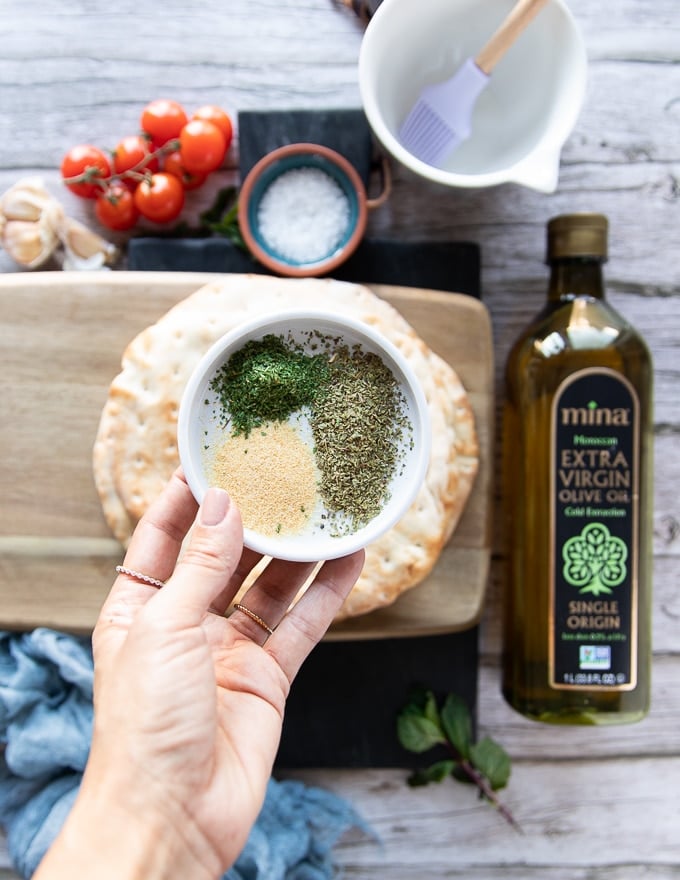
{"points": [[302, 210], [203, 430]]}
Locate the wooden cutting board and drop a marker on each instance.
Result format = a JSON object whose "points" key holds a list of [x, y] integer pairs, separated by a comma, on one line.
{"points": [[62, 335]]}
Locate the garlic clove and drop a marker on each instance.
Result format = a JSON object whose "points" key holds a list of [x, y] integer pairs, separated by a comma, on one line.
{"points": [[72, 263], [29, 243], [53, 218], [26, 200], [84, 248]]}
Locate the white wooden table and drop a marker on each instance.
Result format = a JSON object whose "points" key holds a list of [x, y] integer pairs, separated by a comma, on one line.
{"points": [[593, 803]]}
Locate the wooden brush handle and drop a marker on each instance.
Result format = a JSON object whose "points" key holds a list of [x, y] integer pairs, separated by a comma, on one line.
{"points": [[513, 25]]}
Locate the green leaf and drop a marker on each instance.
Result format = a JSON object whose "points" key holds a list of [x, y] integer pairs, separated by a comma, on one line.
{"points": [[492, 761], [422, 725], [224, 199], [434, 773], [430, 710], [457, 724], [222, 217], [417, 733]]}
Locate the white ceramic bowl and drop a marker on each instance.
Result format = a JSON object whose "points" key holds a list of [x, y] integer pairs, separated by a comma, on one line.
{"points": [[201, 429], [522, 118]]}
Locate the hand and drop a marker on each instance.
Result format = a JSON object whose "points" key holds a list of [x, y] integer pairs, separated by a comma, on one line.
{"points": [[188, 703]]}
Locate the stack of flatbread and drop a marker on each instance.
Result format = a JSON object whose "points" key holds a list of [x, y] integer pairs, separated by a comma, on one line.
{"points": [[135, 451]]}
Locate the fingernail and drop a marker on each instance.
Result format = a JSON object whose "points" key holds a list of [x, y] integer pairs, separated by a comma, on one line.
{"points": [[214, 508]]}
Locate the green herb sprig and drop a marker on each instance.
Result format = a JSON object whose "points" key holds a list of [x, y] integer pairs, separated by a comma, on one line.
{"points": [[221, 217], [423, 725]]}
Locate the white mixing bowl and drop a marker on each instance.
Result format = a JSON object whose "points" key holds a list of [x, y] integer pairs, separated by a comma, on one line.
{"points": [[522, 118]]}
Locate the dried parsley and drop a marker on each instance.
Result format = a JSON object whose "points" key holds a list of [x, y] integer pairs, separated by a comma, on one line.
{"points": [[266, 381]]}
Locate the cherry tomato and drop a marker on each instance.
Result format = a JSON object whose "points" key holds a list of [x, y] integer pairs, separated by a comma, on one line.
{"points": [[84, 159], [173, 165], [161, 198], [116, 207], [131, 152], [163, 120], [202, 146], [218, 117]]}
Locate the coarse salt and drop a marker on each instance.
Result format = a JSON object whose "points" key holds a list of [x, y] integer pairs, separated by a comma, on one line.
{"points": [[303, 215]]}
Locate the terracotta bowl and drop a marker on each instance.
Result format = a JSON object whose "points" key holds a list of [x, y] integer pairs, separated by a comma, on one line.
{"points": [[268, 171]]}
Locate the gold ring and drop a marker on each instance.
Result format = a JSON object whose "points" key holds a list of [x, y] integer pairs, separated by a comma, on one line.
{"points": [[256, 617], [138, 576]]}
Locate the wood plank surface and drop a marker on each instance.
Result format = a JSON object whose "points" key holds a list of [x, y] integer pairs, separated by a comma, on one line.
{"points": [[595, 805], [63, 336]]}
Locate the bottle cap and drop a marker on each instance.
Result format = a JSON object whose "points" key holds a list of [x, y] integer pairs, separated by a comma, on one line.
{"points": [[577, 235]]}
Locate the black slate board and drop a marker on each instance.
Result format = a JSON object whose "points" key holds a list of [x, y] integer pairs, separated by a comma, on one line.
{"points": [[345, 130], [343, 705], [441, 265]]}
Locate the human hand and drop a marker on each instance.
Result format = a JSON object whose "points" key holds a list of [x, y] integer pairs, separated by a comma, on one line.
{"points": [[188, 703]]}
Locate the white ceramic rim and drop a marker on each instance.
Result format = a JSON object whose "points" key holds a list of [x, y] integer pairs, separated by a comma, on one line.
{"points": [[295, 548], [552, 141]]}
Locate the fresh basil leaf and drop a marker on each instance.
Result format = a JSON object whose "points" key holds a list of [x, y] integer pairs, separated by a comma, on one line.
{"points": [[457, 724], [422, 725], [222, 217], [434, 773], [417, 733], [224, 199], [430, 709], [417, 698], [492, 761]]}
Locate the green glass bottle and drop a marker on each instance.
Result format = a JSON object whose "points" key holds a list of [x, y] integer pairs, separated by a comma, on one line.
{"points": [[577, 461]]}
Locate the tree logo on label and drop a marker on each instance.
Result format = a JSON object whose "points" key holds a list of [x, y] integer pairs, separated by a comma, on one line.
{"points": [[595, 560]]}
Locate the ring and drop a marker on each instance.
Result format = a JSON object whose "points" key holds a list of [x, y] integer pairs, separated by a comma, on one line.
{"points": [[256, 617], [138, 576]]}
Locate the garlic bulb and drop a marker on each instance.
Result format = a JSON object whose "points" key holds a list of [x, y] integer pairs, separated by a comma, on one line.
{"points": [[34, 227], [25, 200]]}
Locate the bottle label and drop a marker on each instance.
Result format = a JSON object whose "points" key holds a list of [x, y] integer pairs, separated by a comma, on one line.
{"points": [[594, 474]]}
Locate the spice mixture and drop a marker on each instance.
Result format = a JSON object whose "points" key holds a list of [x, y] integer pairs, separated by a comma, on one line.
{"points": [[352, 405]]}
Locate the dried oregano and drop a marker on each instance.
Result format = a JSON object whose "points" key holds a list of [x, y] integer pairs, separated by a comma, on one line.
{"points": [[357, 431]]}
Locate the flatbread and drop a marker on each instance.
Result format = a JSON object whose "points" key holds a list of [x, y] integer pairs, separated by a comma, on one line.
{"points": [[135, 451]]}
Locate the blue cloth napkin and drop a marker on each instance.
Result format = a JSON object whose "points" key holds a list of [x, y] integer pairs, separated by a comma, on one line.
{"points": [[45, 731]]}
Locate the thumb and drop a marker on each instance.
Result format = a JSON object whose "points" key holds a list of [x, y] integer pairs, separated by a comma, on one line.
{"points": [[211, 556]]}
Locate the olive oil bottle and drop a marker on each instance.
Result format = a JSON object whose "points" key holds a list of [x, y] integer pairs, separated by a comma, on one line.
{"points": [[577, 450]]}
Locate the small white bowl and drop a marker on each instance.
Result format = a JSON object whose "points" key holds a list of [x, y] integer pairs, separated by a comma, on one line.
{"points": [[201, 429], [522, 118]]}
